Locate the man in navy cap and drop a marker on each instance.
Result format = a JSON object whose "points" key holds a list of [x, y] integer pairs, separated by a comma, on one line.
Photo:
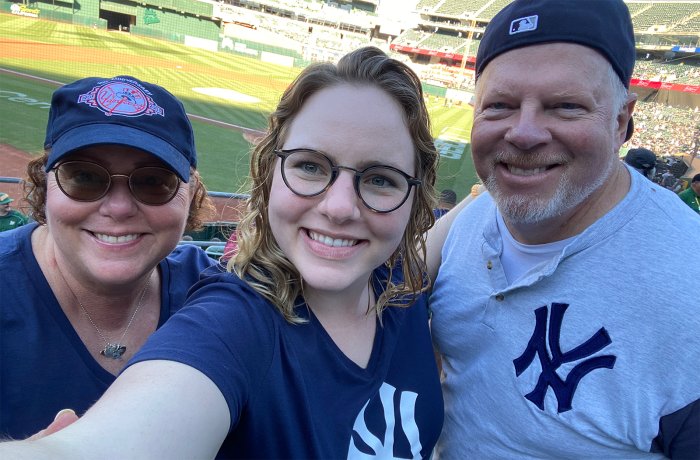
{"points": [[565, 328]]}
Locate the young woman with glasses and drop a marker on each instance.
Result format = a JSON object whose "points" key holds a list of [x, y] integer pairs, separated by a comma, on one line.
{"points": [[315, 343], [84, 286]]}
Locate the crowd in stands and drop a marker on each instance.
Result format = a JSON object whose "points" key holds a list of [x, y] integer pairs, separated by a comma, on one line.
{"points": [[666, 130], [671, 73]]}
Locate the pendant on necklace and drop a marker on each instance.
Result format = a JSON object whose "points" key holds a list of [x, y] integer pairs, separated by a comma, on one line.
{"points": [[114, 351]]}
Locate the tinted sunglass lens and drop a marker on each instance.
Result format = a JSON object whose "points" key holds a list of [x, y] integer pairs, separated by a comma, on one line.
{"points": [[152, 185], [82, 181]]}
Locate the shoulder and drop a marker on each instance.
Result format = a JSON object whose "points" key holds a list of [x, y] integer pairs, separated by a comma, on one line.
{"points": [[407, 304], [471, 220], [684, 195], [687, 194], [189, 252], [482, 204], [221, 308], [180, 270], [224, 295], [189, 258], [659, 212], [226, 331], [222, 316], [16, 240]]}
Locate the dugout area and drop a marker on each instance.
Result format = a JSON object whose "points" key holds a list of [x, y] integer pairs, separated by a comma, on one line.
{"points": [[152, 18]]}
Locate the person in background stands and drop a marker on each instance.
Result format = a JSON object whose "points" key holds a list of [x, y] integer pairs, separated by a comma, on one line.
{"points": [[691, 195], [85, 285], [316, 343], [565, 327], [671, 182], [9, 218], [446, 201], [643, 160]]}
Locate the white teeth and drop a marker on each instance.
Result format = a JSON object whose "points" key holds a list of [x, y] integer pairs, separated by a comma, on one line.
{"points": [[116, 239], [328, 241], [525, 172]]}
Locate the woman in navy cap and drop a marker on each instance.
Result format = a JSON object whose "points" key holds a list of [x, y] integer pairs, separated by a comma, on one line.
{"points": [[85, 285]]}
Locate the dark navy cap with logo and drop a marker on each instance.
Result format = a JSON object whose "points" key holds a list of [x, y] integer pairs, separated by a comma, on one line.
{"points": [[124, 111], [604, 25]]}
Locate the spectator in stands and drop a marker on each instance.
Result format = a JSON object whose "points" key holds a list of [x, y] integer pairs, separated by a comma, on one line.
{"points": [[95, 275], [9, 218], [643, 160], [560, 337], [318, 338], [446, 201], [671, 182], [691, 195], [663, 128]]}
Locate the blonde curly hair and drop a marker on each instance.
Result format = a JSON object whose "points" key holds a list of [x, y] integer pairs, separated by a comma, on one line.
{"points": [[259, 260]]}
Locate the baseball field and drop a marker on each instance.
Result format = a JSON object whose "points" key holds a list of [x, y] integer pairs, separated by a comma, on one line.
{"points": [[228, 96]]}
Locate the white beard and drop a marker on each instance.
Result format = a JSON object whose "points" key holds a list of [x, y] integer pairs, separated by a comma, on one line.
{"points": [[523, 209]]}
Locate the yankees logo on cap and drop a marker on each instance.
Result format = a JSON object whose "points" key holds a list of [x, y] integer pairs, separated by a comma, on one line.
{"points": [[121, 98], [123, 111]]}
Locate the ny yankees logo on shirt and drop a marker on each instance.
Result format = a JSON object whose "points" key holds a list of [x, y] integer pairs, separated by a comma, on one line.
{"points": [[386, 445], [563, 389]]}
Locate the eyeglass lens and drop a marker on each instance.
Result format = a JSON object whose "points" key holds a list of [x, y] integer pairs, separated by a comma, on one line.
{"points": [[86, 181], [310, 173]]}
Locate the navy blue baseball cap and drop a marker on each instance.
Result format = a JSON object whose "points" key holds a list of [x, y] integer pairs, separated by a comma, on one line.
{"points": [[123, 111], [604, 25], [640, 158]]}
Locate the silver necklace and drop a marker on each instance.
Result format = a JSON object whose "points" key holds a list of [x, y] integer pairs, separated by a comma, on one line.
{"points": [[115, 350]]}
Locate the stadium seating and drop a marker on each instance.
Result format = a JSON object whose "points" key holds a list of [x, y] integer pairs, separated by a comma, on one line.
{"points": [[442, 42], [672, 72], [666, 130], [492, 8], [662, 16]]}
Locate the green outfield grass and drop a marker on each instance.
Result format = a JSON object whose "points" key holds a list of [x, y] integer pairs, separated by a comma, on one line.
{"points": [[223, 152]]}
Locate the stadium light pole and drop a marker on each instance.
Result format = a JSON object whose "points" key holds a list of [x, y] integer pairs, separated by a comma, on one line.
{"points": [[472, 23]]}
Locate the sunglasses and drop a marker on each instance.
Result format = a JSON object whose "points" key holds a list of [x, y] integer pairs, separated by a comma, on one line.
{"points": [[87, 181]]}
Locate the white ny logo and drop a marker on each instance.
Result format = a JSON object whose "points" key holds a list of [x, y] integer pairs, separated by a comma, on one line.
{"points": [[384, 448]]}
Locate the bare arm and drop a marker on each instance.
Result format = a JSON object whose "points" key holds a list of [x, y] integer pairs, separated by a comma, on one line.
{"points": [[154, 410], [435, 238]]}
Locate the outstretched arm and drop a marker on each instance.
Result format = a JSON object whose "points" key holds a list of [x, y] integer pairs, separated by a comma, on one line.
{"points": [[155, 410], [435, 238]]}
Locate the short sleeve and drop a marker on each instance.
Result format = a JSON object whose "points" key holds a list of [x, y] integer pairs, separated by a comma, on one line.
{"points": [[226, 331]]}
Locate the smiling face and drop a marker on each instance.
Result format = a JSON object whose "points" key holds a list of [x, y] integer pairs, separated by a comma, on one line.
{"points": [[546, 132], [333, 239], [116, 239]]}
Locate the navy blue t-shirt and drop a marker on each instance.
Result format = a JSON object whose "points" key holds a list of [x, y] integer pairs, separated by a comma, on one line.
{"points": [[291, 392], [44, 366]]}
